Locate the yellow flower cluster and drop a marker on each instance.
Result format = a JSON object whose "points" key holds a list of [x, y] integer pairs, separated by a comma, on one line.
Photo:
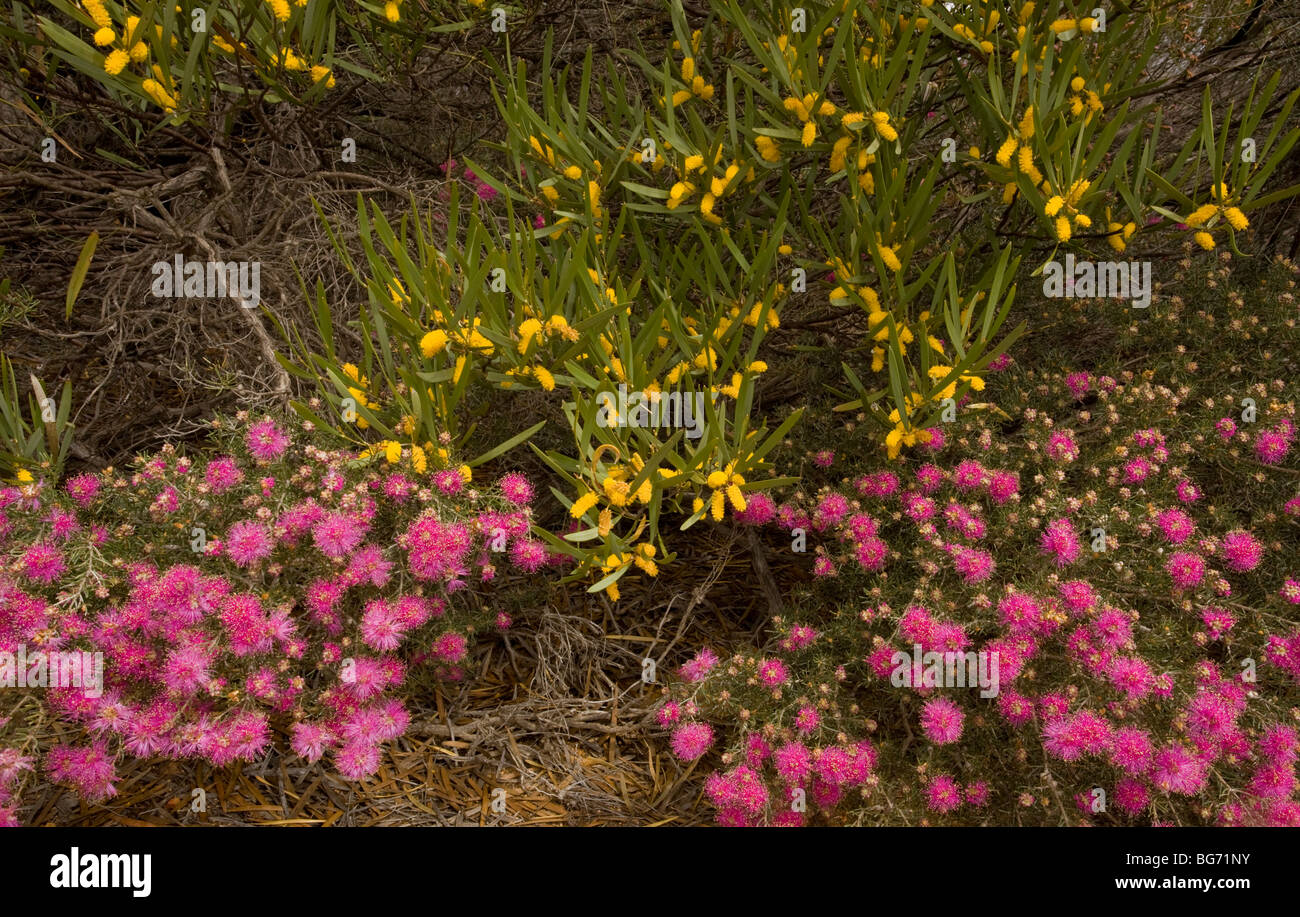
{"points": [[695, 84], [1204, 218], [393, 452], [1064, 210], [358, 393], [130, 47]]}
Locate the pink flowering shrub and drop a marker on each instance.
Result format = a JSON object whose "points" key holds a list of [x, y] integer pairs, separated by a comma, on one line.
{"points": [[272, 595], [1131, 563]]}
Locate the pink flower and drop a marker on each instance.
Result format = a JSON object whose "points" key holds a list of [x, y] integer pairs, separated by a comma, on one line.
{"points": [[528, 555], [1003, 485], [1131, 796], [1291, 591], [1176, 525], [691, 740], [1078, 384], [265, 441], [1176, 770], [943, 794], [807, 720], [1187, 569], [42, 563], [968, 475], [975, 566], [1241, 551], [450, 647], [1061, 447], [83, 488], [1225, 428], [1078, 595], [942, 721], [772, 672], [449, 481], [337, 534], [871, 554], [823, 566], [311, 740], [669, 714], [1271, 447], [700, 666], [517, 490], [1187, 491], [87, 768], [436, 550], [793, 763], [357, 761], [759, 509], [1131, 751], [1218, 621], [830, 509], [1137, 470], [1061, 541], [222, 474], [247, 542]]}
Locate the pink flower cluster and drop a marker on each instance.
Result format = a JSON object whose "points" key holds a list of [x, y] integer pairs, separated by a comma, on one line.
{"points": [[315, 584]]}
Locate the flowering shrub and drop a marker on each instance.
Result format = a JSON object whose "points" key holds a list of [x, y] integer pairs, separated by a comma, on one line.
{"points": [[1120, 562], [180, 57], [656, 231], [273, 588]]}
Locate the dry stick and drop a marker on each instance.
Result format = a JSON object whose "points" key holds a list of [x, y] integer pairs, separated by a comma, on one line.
{"points": [[282, 385], [765, 578]]}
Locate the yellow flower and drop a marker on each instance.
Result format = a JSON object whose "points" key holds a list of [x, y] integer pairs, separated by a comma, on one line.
{"points": [[391, 12], [319, 73], [1063, 229], [115, 61], [767, 148], [544, 378], [24, 476], [1236, 219], [573, 172], [582, 504], [1200, 215], [97, 13], [104, 37], [1027, 123], [718, 505], [1204, 240], [419, 460], [1006, 151], [434, 342], [1054, 205], [809, 134], [466, 473], [392, 452]]}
